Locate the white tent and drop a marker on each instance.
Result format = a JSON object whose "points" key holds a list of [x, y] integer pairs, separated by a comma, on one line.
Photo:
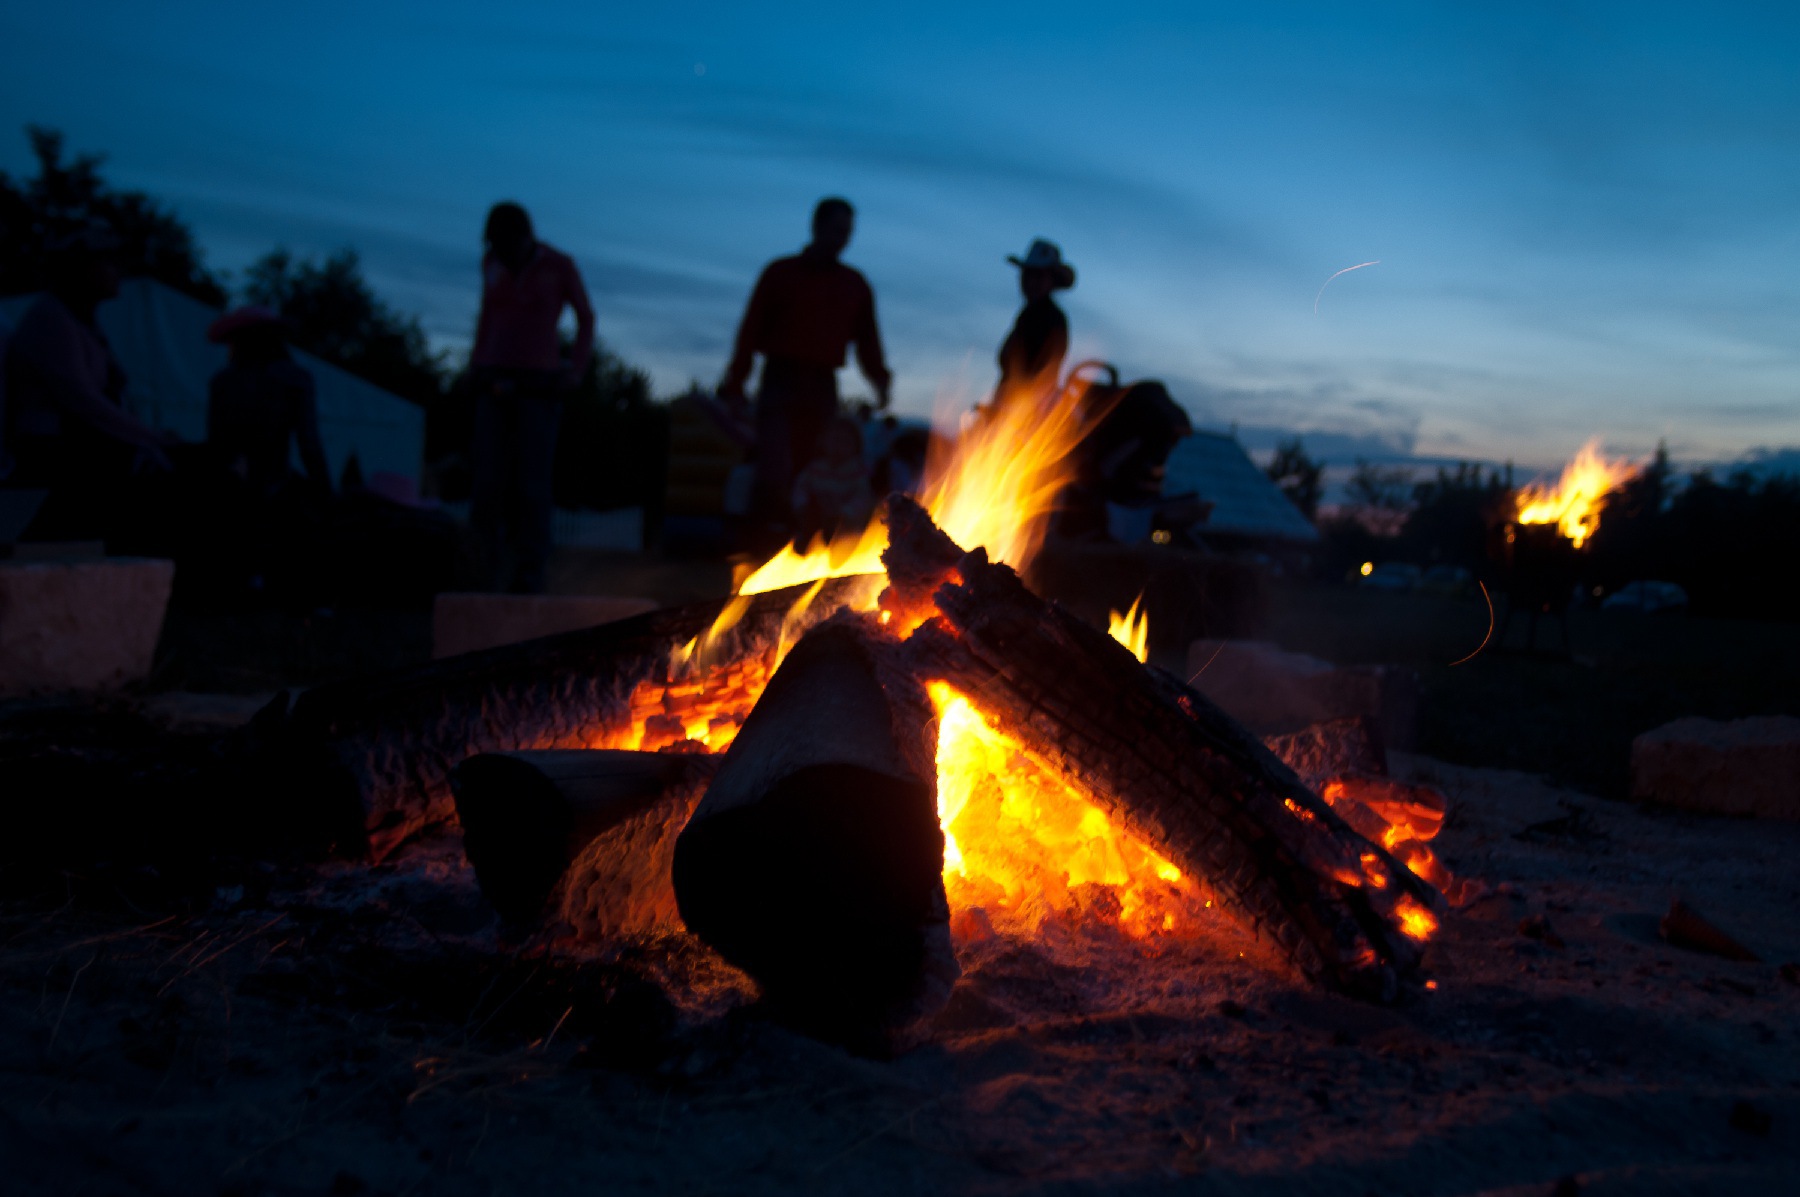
{"points": [[1215, 467], [159, 336]]}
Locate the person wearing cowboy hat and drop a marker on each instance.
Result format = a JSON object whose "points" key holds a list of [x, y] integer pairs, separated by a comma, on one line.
{"points": [[261, 402], [1032, 355]]}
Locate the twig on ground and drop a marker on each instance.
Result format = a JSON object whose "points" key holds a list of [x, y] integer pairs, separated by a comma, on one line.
{"points": [[73, 981]]}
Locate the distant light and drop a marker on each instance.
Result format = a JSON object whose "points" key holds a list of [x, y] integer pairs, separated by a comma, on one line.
{"points": [[699, 68], [1368, 567], [1431, 984], [1161, 536]]}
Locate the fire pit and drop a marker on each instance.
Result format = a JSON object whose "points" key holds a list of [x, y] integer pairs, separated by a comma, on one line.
{"points": [[914, 750]]}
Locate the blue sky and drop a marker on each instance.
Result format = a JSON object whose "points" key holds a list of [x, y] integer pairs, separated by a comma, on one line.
{"points": [[1587, 216]]}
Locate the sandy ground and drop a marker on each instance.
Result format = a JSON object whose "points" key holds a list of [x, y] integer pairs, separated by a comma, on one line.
{"points": [[346, 1031]]}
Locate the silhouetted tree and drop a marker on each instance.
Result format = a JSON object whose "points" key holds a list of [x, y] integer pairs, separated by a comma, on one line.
{"points": [[1453, 514], [1388, 488], [1300, 478], [66, 196], [335, 314], [1728, 543], [613, 448]]}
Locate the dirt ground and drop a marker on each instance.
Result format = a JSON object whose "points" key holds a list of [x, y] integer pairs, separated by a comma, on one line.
{"points": [[343, 1030]]}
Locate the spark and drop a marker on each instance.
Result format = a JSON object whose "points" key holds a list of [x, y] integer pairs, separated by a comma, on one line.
{"points": [[1327, 282], [1202, 670], [1490, 631]]}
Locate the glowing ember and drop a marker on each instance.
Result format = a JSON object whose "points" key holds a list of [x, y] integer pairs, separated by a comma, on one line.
{"points": [[1023, 847], [1402, 820], [1132, 629], [1415, 920], [1574, 503]]}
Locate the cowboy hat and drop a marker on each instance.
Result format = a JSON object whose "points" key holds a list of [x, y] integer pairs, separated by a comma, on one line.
{"points": [[1045, 255], [241, 320]]}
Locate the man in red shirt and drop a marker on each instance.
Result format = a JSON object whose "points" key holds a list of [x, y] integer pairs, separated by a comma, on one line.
{"points": [[520, 376], [803, 315]]}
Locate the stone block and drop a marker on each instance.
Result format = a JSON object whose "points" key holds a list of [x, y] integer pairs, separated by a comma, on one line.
{"points": [[466, 623], [1740, 767], [1276, 693], [80, 625]]}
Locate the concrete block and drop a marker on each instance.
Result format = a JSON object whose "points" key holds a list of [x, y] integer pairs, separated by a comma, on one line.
{"points": [[80, 625], [466, 623], [1741, 767], [1276, 693]]}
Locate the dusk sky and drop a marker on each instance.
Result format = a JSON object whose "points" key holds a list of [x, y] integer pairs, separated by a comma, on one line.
{"points": [[1587, 217]]}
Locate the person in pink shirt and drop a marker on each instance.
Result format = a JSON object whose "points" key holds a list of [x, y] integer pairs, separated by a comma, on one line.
{"points": [[521, 374]]}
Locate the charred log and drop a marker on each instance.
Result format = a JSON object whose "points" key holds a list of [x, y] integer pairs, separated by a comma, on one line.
{"points": [[581, 840], [815, 861], [382, 747], [1170, 766]]}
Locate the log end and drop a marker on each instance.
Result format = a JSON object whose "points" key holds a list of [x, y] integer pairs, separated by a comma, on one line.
{"points": [[516, 831], [829, 892]]}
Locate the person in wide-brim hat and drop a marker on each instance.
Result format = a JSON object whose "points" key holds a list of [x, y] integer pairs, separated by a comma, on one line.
{"points": [[1046, 256], [262, 402], [1031, 357]]}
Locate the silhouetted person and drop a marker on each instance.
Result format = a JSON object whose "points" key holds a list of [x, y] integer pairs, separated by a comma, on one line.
{"points": [[262, 403], [66, 428], [520, 375], [803, 316], [1032, 355]]}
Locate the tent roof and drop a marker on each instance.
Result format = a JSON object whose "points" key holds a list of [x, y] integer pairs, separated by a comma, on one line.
{"points": [[1247, 502]]}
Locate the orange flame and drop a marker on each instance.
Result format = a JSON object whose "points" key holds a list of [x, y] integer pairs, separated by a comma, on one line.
{"points": [[1574, 503], [995, 487], [1022, 847], [1131, 629]]}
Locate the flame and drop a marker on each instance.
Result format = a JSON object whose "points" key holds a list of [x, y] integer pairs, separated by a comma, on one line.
{"points": [[994, 486], [1574, 503], [1022, 847], [1132, 629]]}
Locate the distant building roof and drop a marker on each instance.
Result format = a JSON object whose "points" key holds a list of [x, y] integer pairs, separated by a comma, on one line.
{"points": [[1246, 502]]}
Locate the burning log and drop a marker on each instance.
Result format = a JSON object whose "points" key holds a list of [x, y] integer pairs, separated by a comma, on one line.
{"points": [[1162, 760], [383, 747], [580, 839], [815, 861]]}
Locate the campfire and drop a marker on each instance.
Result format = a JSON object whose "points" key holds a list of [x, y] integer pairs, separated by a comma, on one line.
{"points": [[1540, 548], [1574, 504], [880, 749]]}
